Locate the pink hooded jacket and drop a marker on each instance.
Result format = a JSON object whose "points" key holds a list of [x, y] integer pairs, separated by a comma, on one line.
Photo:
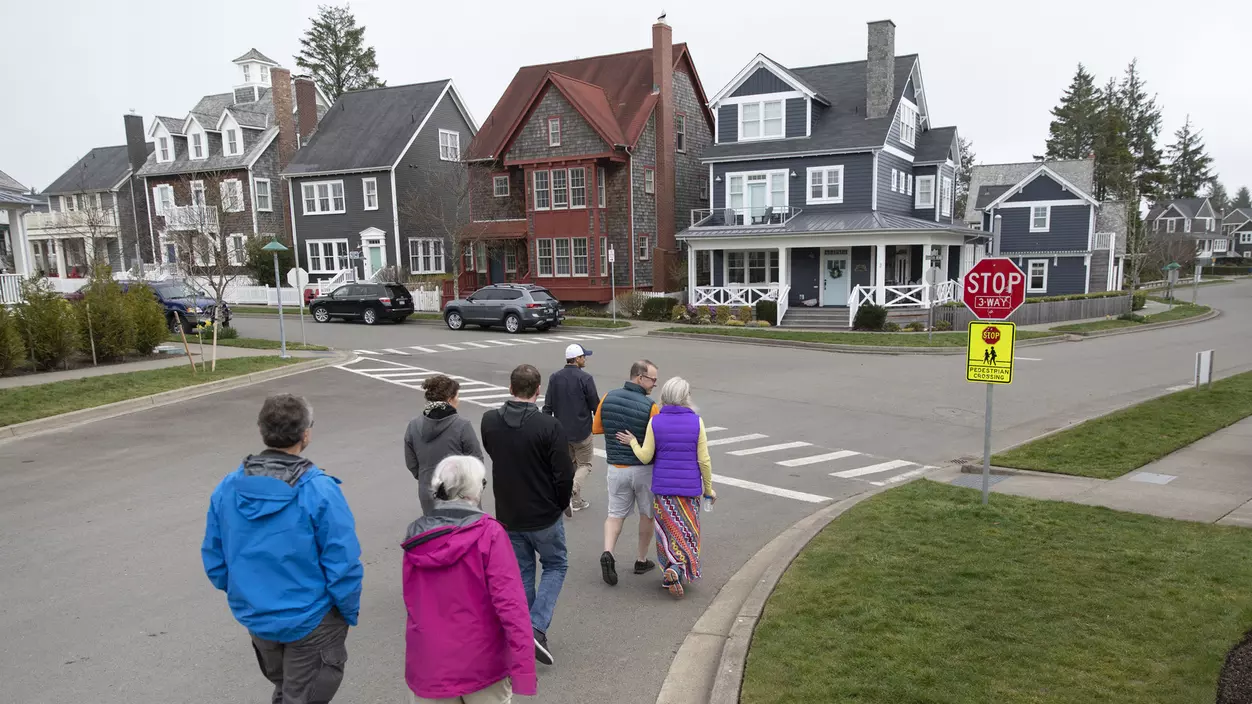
{"points": [[468, 625]]}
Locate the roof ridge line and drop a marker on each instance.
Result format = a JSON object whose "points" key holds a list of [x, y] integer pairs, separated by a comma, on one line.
{"points": [[597, 56], [846, 63], [406, 85]]}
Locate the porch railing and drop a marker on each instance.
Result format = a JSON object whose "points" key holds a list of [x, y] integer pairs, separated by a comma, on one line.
{"points": [[190, 217], [742, 217], [735, 294], [784, 294], [10, 289], [910, 296], [76, 220]]}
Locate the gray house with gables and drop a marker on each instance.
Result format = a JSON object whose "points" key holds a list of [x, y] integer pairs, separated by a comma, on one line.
{"points": [[831, 188]]}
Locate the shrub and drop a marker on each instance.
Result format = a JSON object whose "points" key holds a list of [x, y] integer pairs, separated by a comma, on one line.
{"points": [[584, 312], [104, 323], [1139, 300], [630, 303], [735, 323], [259, 264], [678, 313], [744, 314], [223, 332], [722, 315], [759, 324], [1135, 317], [47, 323], [916, 326], [148, 317], [767, 310], [12, 349], [891, 327], [704, 319], [943, 324], [870, 317], [657, 308]]}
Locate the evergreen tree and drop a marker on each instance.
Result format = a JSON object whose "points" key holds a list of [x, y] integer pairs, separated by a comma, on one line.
{"points": [[1189, 170], [1114, 162], [1218, 197], [964, 171], [1072, 132], [333, 50], [1143, 121], [1243, 199]]}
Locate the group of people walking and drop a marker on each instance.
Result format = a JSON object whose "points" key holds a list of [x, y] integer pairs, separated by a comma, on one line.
{"points": [[280, 539]]}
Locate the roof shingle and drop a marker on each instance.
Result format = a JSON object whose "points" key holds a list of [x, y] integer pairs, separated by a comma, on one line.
{"points": [[1079, 172], [100, 169], [254, 55]]}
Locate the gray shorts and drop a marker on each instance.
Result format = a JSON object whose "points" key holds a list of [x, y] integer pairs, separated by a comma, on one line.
{"points": [[630, 487]]}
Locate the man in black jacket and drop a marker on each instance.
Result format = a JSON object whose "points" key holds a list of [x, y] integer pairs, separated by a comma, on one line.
{"points": [[532, 479], [572, 399]]}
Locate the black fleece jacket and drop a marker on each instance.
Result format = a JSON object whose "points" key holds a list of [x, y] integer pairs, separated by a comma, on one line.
{"points": [[532, 476]]}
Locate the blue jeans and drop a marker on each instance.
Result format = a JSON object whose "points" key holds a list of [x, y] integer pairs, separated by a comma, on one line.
{"points": [[550, 544]]}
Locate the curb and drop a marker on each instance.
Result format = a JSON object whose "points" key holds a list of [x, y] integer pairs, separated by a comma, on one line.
{"points": [[1145, 328], [709, 664], [120, 408], [846, 349]]}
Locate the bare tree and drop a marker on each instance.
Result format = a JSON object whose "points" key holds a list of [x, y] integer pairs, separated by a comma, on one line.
{"points": [[94, 220], [440, 204]]}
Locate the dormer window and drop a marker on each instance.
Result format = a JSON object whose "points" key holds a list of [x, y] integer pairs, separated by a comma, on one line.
{"points": [[763, 120], [230, 142], [163, 149], [195, 141], [908, 124]]}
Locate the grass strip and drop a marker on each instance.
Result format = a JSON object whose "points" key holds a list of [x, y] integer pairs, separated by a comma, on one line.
{"points": [[250, 343], [869, 339], [1114, 444], [593, 323], [24, 403], [1180, 311], [922, 595]]}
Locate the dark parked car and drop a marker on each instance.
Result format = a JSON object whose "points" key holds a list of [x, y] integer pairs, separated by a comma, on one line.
{"points": [[192, 304], [515, 306], [369, 302]]}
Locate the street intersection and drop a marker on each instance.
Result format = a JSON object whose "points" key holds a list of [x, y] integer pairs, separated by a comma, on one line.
{"points": [[100, 525]]}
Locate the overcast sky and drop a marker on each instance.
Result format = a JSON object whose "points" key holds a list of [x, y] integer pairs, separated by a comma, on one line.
{"points": [[993, 69]]}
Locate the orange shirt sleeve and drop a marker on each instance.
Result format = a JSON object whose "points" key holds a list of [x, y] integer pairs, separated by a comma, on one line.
{"points": [[656, 408], [597, 423]]}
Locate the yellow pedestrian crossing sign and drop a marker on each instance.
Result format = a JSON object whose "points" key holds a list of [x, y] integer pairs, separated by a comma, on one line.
{"points": [[990, 356]]}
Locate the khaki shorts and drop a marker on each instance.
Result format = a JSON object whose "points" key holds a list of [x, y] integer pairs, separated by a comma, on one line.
{"points": [[630, 488], [499, 693]]}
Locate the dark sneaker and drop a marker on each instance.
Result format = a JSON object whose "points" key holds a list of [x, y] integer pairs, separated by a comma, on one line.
{"points": [[542, 654], [644, 567], [608, 569]]}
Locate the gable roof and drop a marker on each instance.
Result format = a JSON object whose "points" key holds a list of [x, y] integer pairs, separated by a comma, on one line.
{"points": [[782, 72], [1043, 171], [254, 55], [840, 127], [935, 145], [1186, 207], [100, 169], [624, 80], [1238, 216], [368, 129], [173, 124], [13, 193], [8, 183], [1079, 172]]}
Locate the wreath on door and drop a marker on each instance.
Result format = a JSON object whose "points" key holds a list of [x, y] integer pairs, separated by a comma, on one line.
{"points": [[834, 268]]}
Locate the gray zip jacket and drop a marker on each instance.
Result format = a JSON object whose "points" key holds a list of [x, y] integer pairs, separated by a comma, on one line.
{"points": [[428, 440]]}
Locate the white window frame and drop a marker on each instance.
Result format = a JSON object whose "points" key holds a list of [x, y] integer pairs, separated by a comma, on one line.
{"points": [[946, 194], [575, 258], [165, 153], [645, 247], [910, 189], [541, 258], [426, 255], [559, 258], [1047, 218], [604, 256], [197, 189], [237, 255], [495, 186], [578, 194], [824, 172], [771, 266], [339, 256], [680, 132], [895, 181], [908, 117], [510, 261], [563, 190], [602, 190], [1245, 238], [782, 174], [317, 197], [649, 181], [161, 195], [1171, 225], [449, 145], [226, 149], [1220, 245], [247, 73], [1030, 276], [546, 189], [191, 146], [233, 187], [365, 192], [68, 204], [265, 74], [256, 195], [554, 136], [918, 199], [761, 120]]}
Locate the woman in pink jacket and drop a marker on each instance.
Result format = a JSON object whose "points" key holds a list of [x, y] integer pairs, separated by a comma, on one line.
{"points": [[468, 636]]}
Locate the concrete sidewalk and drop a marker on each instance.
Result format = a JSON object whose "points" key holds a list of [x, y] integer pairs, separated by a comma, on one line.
{"points": [[1209, 481]]}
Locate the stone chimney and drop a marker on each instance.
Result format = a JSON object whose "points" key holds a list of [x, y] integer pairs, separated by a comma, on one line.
{"points": [[306, 108], [280, 79], [880, 69], [663, 86]]}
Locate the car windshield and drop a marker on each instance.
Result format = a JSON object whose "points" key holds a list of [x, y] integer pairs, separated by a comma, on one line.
{"points": [[541, 295], [180, 290]]}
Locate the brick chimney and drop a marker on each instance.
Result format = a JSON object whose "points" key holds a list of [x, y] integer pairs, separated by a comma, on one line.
{"points": [[306, 108], [663, 86], [880, 69], [280, 78]]}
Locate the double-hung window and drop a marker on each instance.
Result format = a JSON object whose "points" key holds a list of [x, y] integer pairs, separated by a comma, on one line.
{"points": [[543, 257], [197, 193], [1245, 238], [261, 191], [925, 196], [645, 247], [601, 187], [197, 145], [543, 190], [825, 184], [1171, 225], [560, 189], [449, 145], [231, 140], [500, 186], [763, 120], [946, 197], [554, 131], [1040, 217], [327, 256], [895, 180], [163, 197], [369, 186], [680, 132], [231, 193], [237, 246], [908, 123], [425, 255], [1037, 276], [910, 190], [579, 245], [510, 260], [578, 188], [649, 181], [163, 143], [562, 249], [604, 256], [323, 198]]}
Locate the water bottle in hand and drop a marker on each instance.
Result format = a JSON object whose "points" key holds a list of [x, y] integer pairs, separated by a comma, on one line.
{"points": [[708, 504]]}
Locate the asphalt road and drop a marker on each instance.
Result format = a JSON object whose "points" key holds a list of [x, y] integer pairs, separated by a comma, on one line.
{"points": [[101, 589]]}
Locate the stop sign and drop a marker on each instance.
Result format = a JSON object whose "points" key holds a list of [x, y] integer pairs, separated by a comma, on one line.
{"points": [[991, 335], [994, 288]]}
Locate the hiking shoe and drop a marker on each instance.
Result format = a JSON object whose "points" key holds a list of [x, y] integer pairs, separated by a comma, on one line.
{"points": [[608, 569], [579, 504], [672, 583], [542, 654], [644, 566]]}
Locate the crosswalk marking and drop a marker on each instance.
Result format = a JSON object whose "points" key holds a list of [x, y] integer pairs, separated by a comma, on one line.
{"points": [[713, 428], [768, 448], [366, 353], [427, 350], [871, 469], [395, 375], [475, 345], [737, 438], [502, 343], [828, 457], [903, 476], [454, 348], [484, 398], [393, 351], [772, 490]]}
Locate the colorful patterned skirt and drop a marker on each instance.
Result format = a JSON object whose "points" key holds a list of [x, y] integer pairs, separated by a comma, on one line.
{"points": [[676, 521]]}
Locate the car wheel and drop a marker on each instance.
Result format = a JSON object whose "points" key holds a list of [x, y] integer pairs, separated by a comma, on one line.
{"points": [[370, 316], [321, 315], [454, 320], [512, 323], [172, 323]]}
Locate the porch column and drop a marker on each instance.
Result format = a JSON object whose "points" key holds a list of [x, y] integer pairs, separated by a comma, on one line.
{"points": [[944, 251], [61, 268], [880, 274], [21, 247], [784, 269], [692, 254]]}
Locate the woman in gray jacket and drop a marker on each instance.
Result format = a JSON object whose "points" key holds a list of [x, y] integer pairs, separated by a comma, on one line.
{"points": [[438, 433]]}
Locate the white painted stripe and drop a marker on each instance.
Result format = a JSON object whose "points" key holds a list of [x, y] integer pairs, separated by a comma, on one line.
{"points": [[366, 371], [502, 343], [768, 448], [484, 398], [396, 375], [476, 345], [828, 457], [612, 337], [1027, 359], [427, 350], [871, 469], [471, 382], [529, 341], [1180, 387], [903, 476], [402, 354], [713, 428], [562, 339], [586, 337], [771, 490], [454, 348], [495, 404], [375, 354], [737, 438]]}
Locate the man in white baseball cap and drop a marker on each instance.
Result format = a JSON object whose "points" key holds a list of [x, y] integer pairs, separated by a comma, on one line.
{"points": [[572, 399]]}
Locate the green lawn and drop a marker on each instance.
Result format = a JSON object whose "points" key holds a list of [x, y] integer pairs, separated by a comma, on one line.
{"points": [[880, 339], [23, 403], [921, 594], [594, 323], [1111, 445], [250, 343], [1178, 312]]}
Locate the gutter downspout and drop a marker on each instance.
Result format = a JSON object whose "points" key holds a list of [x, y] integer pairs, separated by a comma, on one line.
{"points": [[295, 237], [630, 198], [874, 197]]}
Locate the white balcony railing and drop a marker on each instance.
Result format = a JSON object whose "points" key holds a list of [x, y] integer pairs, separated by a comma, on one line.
{"points": [[1103, 240], [910, 296], [74, 221], [742, 217], [201, 218], [736, 294], [10, 289]]}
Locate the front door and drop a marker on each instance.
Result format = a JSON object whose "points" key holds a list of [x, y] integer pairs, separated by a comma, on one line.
{"points": [[835, 277], [756, 201], [496, 267], [901, 273], [373, 251]]}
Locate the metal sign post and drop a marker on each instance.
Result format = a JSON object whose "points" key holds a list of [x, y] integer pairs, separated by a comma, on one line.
{"points": [[1195, 285], [613, 283], [276, 247], [299, 279]]}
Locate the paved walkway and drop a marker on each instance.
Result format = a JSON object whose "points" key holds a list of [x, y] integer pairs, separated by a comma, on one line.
{"points": [[1209, 481]]}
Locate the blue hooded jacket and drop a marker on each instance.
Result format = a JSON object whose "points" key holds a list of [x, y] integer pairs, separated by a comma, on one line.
{"points": [[280, 540]]}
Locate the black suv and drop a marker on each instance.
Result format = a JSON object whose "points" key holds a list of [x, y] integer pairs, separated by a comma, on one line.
{"points": [[368, 301], [515, 306]]}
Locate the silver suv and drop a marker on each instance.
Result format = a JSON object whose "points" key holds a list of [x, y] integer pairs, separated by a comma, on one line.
{"points": [[515, 306]]}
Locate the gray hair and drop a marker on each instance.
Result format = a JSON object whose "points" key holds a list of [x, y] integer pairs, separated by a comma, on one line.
{"points": [[676, 392], [283, 420], [640, 368], [460, 477]]}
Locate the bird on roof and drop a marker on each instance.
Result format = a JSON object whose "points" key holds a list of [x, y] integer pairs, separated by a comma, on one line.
{"points": [[662, 17]]}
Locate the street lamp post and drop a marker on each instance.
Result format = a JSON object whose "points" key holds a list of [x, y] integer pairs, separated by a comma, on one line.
{"points": [[276, 247]]}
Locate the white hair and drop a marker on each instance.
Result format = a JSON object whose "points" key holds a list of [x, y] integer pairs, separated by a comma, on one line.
{"points": [[460, 477], [676, 392]]}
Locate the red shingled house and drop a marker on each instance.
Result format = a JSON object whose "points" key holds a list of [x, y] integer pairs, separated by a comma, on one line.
{"points": [[571, 162]]}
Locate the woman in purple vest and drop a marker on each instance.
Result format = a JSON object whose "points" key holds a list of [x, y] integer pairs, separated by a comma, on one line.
{"points": [[682, 476]]}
